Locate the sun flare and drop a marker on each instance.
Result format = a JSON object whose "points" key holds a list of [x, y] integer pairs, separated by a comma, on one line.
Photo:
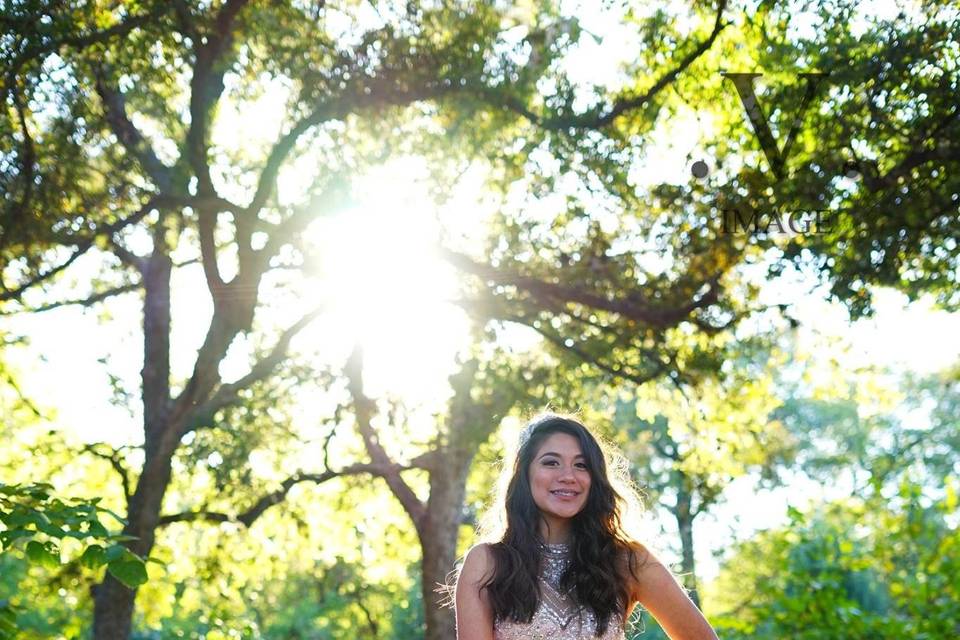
{"points": [[385, 286]]}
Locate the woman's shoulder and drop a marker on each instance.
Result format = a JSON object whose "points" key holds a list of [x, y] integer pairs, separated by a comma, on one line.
{"points": [[480, 551], [478, 561], [635, 554]]}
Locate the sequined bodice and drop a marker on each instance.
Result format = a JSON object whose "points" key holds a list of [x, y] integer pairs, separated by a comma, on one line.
{"points": [[557, 617]]}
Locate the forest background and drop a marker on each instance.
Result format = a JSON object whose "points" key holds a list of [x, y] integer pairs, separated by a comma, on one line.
{"points": [[281, 281]]}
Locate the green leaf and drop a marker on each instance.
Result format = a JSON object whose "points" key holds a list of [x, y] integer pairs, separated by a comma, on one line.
{"points": [[7, 615], [18, 519], [98, 530], [10, 536], [51, 529], [8, 621], [115, 552], [116, 516], [132, 573], [45, 555], [93, 556]]}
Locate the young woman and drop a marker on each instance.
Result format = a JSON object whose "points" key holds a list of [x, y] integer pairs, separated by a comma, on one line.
{"points": [[564, 568]]}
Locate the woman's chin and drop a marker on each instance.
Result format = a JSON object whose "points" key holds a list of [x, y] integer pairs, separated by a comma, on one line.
{"points": [[566, 513]]}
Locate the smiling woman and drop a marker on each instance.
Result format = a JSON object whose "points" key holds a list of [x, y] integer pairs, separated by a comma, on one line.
{"points": [[565, 567], [559, 485]]}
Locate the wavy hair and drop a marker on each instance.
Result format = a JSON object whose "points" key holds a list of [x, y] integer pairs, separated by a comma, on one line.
{"points": [[598, 541]]}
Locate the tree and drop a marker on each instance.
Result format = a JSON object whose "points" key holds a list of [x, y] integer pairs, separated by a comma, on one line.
{"points": [[889, 119], [111, 153], [868, 144], [131, 187], [686, 445]]}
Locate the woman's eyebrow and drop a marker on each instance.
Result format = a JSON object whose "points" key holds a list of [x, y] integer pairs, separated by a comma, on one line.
{"points": [[553, 453]]}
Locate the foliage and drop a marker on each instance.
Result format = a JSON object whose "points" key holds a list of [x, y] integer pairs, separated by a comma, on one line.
{"points": [[875, 432], [874, 151], [41, 526], [871, 568], [879, 563]]}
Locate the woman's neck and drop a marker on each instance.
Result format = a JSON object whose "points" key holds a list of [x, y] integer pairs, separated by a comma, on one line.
{"points": [[555, 532]]}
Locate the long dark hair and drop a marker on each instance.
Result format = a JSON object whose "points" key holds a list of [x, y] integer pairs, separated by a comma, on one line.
{"points": [[598, 541]]}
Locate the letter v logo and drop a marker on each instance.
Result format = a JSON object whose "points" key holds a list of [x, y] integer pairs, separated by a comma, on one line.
{"points": [[776, 157]]}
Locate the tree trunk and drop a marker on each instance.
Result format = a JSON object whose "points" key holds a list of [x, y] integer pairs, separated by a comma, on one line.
{"points": [[439, 542], [112, 610], [470, 425], [113, 601], [685, 517]]}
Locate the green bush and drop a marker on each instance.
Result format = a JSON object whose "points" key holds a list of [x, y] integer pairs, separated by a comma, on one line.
{"points": [[851, 569]]}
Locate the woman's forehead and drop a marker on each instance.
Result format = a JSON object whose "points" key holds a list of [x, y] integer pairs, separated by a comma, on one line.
{"points": [[562, 444]]}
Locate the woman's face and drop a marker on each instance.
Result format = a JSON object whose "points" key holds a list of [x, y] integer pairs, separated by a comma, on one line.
{"points": [[559, 477]]}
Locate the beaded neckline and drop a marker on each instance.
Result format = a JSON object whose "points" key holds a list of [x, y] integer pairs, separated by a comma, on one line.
{"points": [[555, 549], [556, 559]]}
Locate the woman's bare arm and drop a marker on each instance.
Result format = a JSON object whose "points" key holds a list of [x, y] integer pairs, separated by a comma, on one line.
{"points": [[660, 594], [474, 613]]}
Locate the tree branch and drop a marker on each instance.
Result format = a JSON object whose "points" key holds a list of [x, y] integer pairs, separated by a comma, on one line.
{"points": [[213, 202], [671, 453], [83, 302], [282, 232], [128, 257], [78, 42], [628, 104], [20, 395], [82, 246], [206, 229], [117, 463], [130, 137], [616, 371], [552, 293], [29, 156], [206, 86], [621, 106], [364, 409], [250, 515], [382, 94], [228, 393]]}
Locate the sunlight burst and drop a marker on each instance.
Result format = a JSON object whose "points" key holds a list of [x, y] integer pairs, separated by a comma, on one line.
{"points": [[386, 287]]}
